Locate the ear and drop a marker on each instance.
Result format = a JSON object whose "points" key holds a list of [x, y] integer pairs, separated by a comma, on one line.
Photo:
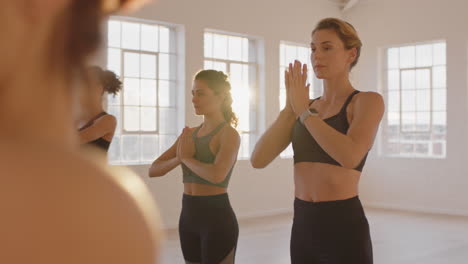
{"points": [[352, 55]]}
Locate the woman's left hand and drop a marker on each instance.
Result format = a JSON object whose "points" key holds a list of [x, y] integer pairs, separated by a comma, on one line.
{"points": [[296, 87], [186, 147]]}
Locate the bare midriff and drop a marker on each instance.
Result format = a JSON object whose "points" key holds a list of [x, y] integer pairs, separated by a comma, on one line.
{"points": [[319, 182], [196, 189]]}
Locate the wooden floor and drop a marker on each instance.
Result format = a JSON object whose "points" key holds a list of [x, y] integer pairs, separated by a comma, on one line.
{"points": [[398, 238]]}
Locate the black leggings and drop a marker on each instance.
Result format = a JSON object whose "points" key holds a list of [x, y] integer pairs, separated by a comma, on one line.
{"points": [[335, 232], [208, 229]]}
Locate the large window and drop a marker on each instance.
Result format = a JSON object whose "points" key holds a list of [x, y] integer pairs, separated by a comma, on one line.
{"points": [[416, 95], [143, 56], [237, 56], [288, 53]]}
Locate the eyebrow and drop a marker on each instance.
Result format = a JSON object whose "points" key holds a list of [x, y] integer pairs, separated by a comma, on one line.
{"points": [[325, 42]]}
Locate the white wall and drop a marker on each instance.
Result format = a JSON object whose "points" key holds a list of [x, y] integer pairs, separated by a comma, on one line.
{"points": [[252, 192], [431, 185]]}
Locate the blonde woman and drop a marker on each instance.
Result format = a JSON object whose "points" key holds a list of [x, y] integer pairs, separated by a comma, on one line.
{"points": [[331, 137]]}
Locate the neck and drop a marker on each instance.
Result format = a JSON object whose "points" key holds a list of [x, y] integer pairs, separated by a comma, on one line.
{"points": [[336, 88], [212, 120], [95, 108]]}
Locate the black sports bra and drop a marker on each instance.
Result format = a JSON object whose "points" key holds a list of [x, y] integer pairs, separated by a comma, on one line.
{"points": [[100, 143], [306, 148]]}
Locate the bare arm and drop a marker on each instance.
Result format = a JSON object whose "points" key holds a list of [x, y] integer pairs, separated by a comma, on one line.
{"points": [[166, 162], [275, 139], [350, 149], [100, 128], [225, 158]]}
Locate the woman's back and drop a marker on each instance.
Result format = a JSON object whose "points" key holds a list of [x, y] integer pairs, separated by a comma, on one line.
{"points": [[72, 211]]}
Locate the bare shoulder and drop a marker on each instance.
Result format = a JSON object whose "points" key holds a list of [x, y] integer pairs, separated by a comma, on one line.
{"points": [[369, 98], [109, 119], [70, 202], [230, 133]]}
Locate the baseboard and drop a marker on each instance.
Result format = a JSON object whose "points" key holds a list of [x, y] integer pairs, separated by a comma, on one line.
{"points": [[265, 213], [416, 209]]}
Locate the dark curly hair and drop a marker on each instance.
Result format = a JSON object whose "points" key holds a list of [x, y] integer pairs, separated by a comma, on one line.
{"points": [[108, 79], [219, 83]]}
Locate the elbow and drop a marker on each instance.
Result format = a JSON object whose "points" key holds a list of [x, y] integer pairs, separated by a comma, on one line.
{"points": [[257, 162], [351, 162], [154, 172]]}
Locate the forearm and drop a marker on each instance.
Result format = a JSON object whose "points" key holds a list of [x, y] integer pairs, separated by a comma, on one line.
{"points": [[162, 167], [274, 140], [209, 172], [339, 146]]}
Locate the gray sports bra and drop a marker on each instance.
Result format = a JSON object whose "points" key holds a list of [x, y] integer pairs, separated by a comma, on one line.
{"points": [[204, 154]]}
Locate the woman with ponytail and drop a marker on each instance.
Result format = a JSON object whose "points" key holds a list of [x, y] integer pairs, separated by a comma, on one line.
{"points": [[208, 226], [97, 127]]}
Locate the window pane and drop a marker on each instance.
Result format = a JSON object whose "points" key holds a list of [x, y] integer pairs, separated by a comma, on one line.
{"points": [[131, 92], [208, 46], [393, 58], [113, 99], [131, 148], [282, 54], [439, 121], [439, 99], [423, 121], [423, 55], [235, 48], [219, 66], [423, 100], [164, 39], [407, 57], [148, 93], [303, 55], [393, 103], [164, 66], [291, 54], [131, 118], [113, 34], [149, 147], [245, 146], [167, 121], [148, 119], [208, 65], [408, 80], [440, 54], [114, 149], [166, 94], [408, 121], [131, 64], [220, 46], [114, 60], [421, 148], [408, 100], [393, 118], [130, 35], [115, 111], [149, 38], [282, 98], [148, 66], [423, 79], [245, 50], [439, 77], [165, 142], [393, 80]]}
